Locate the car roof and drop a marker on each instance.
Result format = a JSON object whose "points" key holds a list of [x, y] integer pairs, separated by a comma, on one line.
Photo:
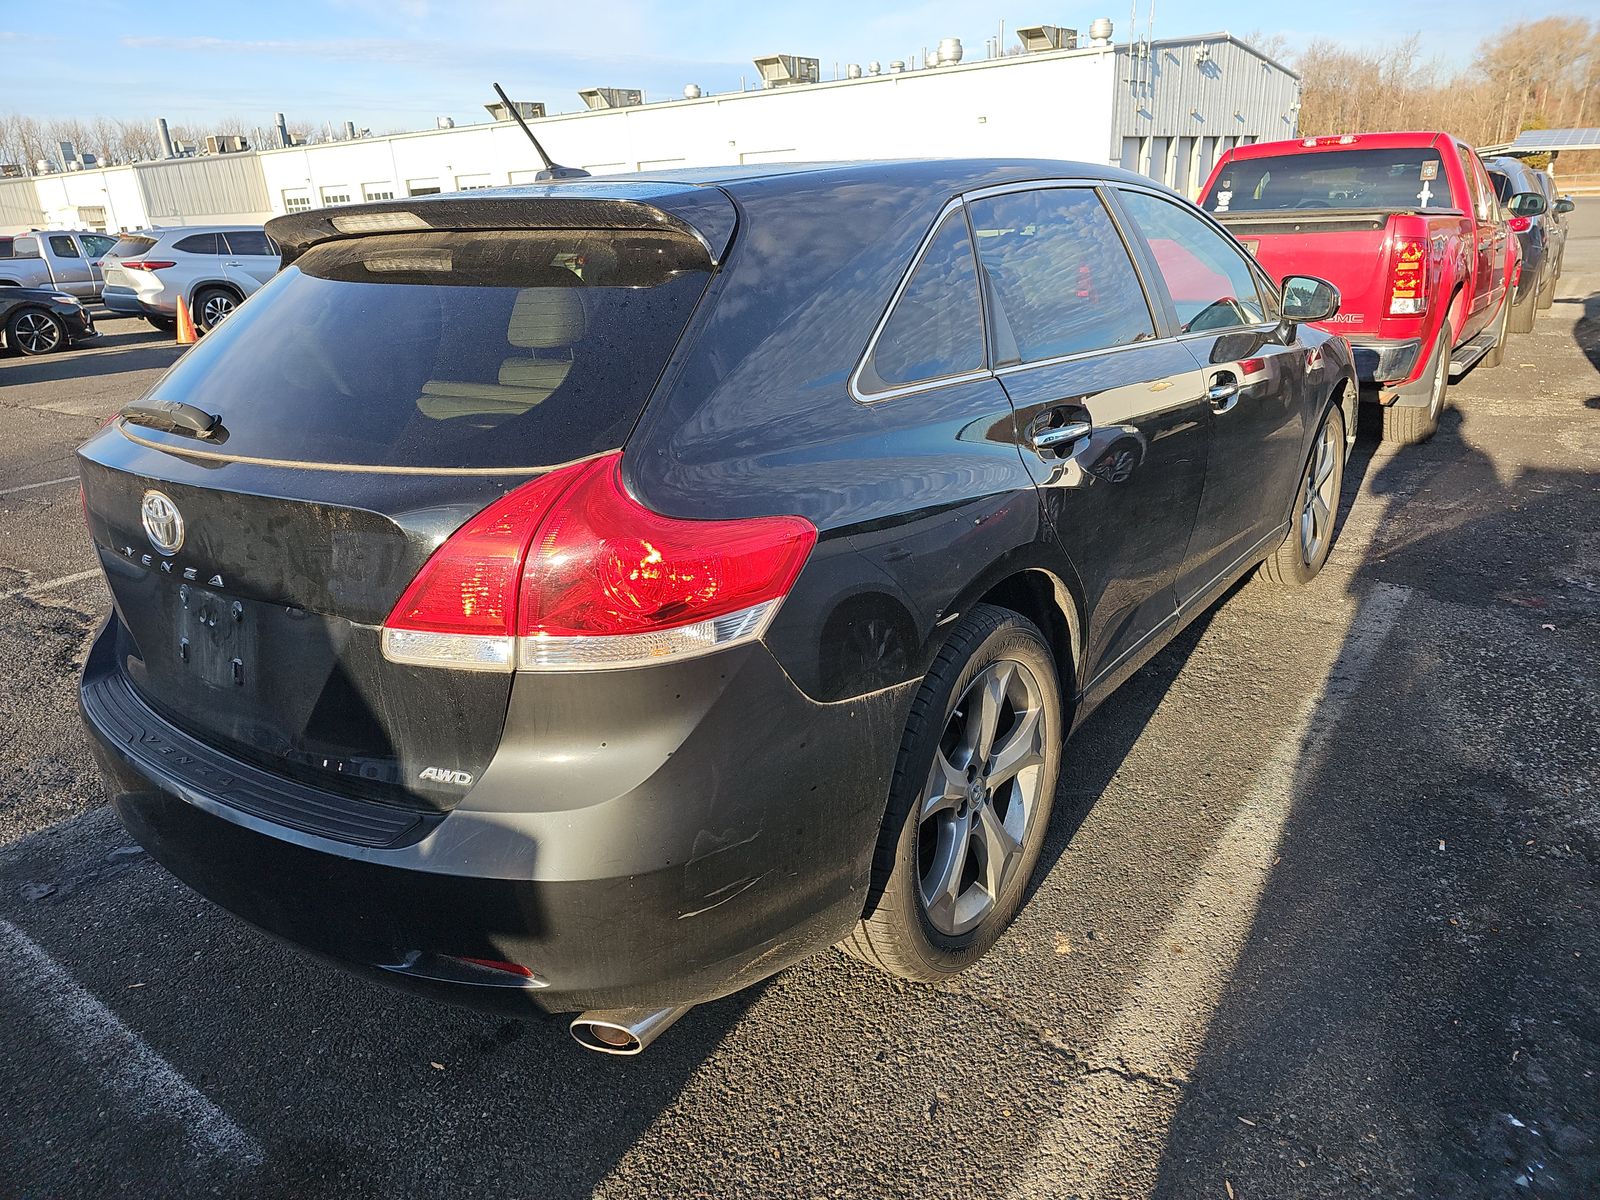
{"points": [[183, 230]]}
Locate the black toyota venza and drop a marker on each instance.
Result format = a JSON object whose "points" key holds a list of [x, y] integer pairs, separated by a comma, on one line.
{"points": [[600, 595]]}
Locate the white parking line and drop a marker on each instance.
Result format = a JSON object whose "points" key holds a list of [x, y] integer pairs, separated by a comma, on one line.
{"points": [[1145, 1055], [28, 487], [97, 1037], [51, 584]]}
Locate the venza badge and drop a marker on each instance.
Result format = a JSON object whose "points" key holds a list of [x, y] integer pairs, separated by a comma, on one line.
{"points": [[163, 523]]}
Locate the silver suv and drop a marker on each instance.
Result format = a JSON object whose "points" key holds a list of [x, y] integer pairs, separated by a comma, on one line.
{"points": [[213, 267]]}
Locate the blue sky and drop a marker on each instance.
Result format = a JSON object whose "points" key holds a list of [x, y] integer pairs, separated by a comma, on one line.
{"points": [[389, 64]]}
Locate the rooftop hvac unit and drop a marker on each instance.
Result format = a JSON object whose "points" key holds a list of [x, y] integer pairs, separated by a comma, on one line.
{"points": [[605, 97], [225, 143], [1037, 38], [531, 110], [10, 170], [781, 70], [444, 122]]}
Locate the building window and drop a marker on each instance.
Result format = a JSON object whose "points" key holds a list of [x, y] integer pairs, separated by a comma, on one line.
{"points": [[296, 202], [422, 187], [377, 191], [471, 183], [336, 195]]}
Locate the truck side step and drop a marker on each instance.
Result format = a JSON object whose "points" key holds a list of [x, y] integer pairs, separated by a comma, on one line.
{"points": [[1468, 353]]}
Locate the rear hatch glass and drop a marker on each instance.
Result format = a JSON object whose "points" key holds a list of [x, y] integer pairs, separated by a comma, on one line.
{"points": [[445, 350], [132, 245], [1332, 179]]}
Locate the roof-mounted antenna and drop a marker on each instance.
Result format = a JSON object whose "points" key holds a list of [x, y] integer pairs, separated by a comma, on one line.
{"points": [[551, 170]]}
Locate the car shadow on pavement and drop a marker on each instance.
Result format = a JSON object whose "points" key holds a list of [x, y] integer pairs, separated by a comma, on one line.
{"points": [[79, 364], [1586, 332], [1414, 1008]]}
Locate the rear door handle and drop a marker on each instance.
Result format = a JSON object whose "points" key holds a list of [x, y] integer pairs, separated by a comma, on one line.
{"points": [[233, 263], [1058, 438], [1223, 392]]}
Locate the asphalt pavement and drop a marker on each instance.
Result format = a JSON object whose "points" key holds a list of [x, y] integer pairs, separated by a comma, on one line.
{"points": [[1317, 916]]}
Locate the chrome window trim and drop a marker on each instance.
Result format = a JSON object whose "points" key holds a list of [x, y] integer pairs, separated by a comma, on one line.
{"points": [[861, 396]]}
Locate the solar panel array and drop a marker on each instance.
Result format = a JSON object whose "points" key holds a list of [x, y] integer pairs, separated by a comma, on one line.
{"points": [[1557, 139]]}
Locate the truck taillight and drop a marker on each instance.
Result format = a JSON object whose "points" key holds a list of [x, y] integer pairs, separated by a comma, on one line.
{"points": [[1408, 260], [570, 572]]}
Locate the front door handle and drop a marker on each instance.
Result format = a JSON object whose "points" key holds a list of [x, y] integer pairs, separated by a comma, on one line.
{"points": [[1059, 437], [1223, 392]]}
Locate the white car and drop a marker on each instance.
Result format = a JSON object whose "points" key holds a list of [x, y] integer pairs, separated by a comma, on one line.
{"points": [[213, 267]]}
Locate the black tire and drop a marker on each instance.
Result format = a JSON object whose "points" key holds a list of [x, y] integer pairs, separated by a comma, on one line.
{"points": [[1300, 558], [897, 932], [1409, 424], [34, 331], [1523, 313], [1547, 294], [213, 305]]}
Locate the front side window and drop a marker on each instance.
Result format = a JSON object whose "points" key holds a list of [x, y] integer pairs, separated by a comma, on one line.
{"points": [[97, 243], [64, 247], [936, 328], [249, 241], [1210, 283], [1061, 278]]}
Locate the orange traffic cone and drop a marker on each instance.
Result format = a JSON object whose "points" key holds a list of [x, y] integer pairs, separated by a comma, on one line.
{"points": [[186, 331]]}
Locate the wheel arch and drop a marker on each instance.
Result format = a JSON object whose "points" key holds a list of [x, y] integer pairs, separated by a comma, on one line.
{"points": [[1041, 596], [221, 285]]}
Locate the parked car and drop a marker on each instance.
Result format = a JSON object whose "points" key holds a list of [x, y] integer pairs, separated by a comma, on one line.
{"points": [[1408, 228], [1560, 210], [58, 260], [213, 267], [42, 320], [635, 586], [1540, 238]]}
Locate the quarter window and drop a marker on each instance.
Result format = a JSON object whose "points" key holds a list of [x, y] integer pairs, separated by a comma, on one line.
{"points": [[1060, 275], [1210, 283], [936, 328]]}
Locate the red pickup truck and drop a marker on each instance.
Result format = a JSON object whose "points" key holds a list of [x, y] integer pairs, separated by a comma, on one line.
{"points": [[1408, 227]]}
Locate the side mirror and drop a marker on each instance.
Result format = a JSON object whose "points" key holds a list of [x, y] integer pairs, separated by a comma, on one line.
{"points": [[1307, 298], [1565, 204], [1528, 204]]}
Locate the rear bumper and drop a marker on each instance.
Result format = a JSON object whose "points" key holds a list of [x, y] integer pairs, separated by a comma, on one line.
{"points": [[124, 301], [718, 869], [1385, 362]]}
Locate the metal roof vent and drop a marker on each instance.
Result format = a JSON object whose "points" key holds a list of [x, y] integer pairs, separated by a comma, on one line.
{"points": [[949, 52], [896, 65], [1100, 31], [530, 110], [610, 97], [691, 91], [852, 71], [874, 67], [782, 70], [1038, 38]]}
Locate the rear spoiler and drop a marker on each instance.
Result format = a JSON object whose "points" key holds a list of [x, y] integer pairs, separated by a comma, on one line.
{"points": [[705, 213]]}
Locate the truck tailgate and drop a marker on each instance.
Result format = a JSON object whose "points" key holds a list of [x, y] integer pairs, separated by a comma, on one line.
{"points": [[1349, 249]]}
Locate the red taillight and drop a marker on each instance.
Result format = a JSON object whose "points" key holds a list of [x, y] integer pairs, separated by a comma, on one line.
{"points": [[147, 264], [1520, 224], [570, 571], [1408, 277]]}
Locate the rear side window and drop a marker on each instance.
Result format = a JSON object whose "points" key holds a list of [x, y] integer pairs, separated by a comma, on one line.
{"points": [[64, 247], [200, 243], [132, 245], [936, 328], [1390, 179], [1211, 285], [1062, 279], [249, 241], [446, 350]]}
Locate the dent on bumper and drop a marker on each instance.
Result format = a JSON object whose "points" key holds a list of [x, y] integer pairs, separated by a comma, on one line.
{"points": [[721, 867]]}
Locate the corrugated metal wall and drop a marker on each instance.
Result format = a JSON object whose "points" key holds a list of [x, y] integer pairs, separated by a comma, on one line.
{"points": [[190, 188], [1191, 98], [19, 204]]}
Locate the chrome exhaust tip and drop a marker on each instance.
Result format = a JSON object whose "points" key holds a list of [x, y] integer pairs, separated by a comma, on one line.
{"points": [[623, 1030]]}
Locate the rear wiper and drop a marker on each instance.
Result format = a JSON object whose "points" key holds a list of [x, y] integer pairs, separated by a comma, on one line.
{"points": [[173, 416]]}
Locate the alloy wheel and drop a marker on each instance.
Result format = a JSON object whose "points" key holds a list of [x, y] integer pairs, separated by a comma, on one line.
{"points": [[215, 309], [1316, 517], [978, 805], [37, 333]]}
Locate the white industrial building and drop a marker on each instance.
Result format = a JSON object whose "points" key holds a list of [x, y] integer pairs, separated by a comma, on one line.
{"points": [[1165, 107]]}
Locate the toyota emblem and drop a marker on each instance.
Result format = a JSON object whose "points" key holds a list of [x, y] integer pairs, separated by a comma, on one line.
{"points": [[163, 523]]}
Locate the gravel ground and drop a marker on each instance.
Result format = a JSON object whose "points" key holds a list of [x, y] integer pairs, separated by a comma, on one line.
{"points": [[1317, 916]]}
